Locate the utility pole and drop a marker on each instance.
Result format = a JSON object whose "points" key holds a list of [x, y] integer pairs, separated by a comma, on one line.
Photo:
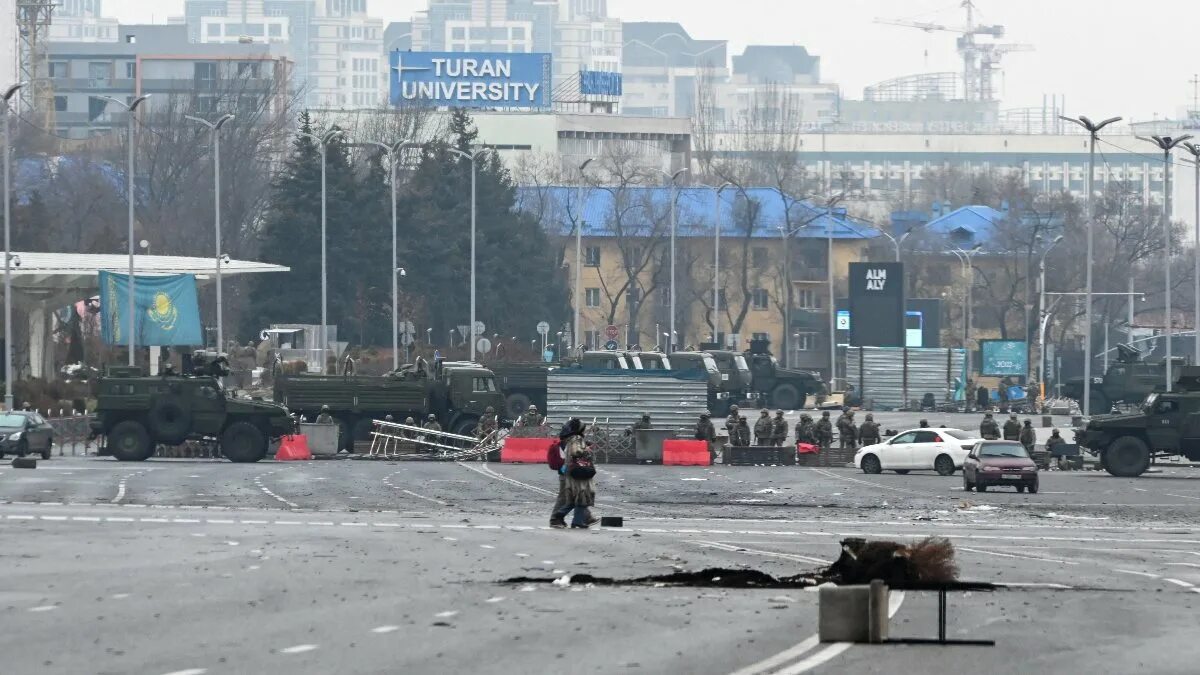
{"points": [[323, 145], [472, 158], [214, 128], [1195, 152], [674, 192], [8, 254], [577, 296], [716, 303], [1093, 130], [1167, 144]]}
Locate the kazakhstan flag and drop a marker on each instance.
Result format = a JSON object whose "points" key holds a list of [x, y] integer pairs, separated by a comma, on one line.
{"points": [[166, 312]]}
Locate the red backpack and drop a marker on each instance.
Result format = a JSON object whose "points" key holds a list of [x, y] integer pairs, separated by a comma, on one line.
{"points": [[554, 456]]}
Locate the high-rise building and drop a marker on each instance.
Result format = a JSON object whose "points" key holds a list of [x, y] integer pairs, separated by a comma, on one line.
{"points": [[9, 60], [578, 33], [337, 48], [82, 21], [665, 69]]}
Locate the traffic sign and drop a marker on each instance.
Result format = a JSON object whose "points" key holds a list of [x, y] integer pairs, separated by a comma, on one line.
{"points": [[543, 329], [479, 328], [611, 345], [611, 332], [406, 339], [484, 345]]}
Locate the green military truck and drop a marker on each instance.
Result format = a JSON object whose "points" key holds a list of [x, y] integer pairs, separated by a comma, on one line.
{"points": [[136, 413], [1168, 424], [1129, 380], [779, 387], [524, 384], [737, 382], [457, 393]]}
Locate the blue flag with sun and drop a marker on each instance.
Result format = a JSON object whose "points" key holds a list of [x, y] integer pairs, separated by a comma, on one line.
{"points": [[166, 310]]}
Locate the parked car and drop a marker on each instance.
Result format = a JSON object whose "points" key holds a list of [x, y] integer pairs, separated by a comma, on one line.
{"points": [[942, 450], [993, 463], [22, 433]]}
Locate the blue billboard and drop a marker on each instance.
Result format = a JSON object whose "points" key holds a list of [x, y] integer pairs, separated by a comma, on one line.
{"points": [[1003, 357], [600, 83], [470, 80]]}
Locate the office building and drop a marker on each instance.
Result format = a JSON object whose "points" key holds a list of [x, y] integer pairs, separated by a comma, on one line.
{"points": [[81, 21]]}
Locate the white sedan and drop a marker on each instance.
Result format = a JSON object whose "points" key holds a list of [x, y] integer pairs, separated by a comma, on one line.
{"points": [[942, 450]]}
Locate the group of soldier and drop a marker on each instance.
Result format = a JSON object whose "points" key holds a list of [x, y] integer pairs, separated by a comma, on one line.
{"points": [[773, 431], [1023, 433]]}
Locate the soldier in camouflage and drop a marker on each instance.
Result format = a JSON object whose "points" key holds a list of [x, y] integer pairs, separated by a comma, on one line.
{"points": [[531, 419], [488, 423], [763, 429], [779, 429], [824, 429], [731, 423], [805, 431]]}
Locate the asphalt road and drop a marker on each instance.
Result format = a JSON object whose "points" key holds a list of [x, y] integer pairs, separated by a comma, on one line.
{"points": [[202, 566]]}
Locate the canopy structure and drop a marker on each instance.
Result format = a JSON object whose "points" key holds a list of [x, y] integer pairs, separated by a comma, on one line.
{"points": [[43, 282]]}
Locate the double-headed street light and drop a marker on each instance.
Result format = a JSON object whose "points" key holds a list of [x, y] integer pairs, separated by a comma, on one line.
{"points": [[472, 158], [577, 299], [323, 147], [8, 254], [1166, 144], [131, 108], [1093, 129], [964, 257], [674, 178], [214, 129]]}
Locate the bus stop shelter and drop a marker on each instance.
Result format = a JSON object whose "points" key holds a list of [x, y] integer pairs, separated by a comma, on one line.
{"points": [[45, 282]]}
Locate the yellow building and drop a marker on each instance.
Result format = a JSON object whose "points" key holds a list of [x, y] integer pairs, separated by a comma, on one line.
{"points": [[626, 265]]}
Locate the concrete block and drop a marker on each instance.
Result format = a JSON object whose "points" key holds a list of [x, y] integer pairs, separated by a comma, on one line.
{"points": [[853, 613], [1077, 420]]}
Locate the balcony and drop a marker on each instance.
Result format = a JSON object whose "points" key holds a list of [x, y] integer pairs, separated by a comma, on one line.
{"points": [[805, 273]]}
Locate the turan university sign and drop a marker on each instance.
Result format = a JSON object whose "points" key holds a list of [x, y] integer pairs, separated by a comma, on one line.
{"points": [[470, 80]]}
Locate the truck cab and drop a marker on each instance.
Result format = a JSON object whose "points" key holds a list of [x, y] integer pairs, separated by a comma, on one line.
{"points": [[602, 360], [736, 378], [465, 391], [650, 360]]}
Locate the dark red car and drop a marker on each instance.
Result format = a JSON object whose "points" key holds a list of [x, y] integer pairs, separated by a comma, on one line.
{"points": [[993, 463]]}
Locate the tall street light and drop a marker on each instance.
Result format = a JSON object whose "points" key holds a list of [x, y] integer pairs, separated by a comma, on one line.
{"points": [[674, 189], [131, 108], [474, 206], [214, 129], [716, 303], [8, 338], [1166, 144], [964, 257], [1042, 308], [577, 301], [1195, 152], [393, 152], [323, 147], [1093, 130]]}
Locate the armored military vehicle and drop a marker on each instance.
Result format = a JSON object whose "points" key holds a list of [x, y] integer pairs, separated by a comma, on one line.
{"points": [[780, 387], [1129, 380], [524, 384], [1168, 424], [135, 413], [737, 383]]}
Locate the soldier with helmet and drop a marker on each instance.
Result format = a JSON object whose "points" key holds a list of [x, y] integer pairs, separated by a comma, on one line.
{"points": [[779, 429], [868, 433]]}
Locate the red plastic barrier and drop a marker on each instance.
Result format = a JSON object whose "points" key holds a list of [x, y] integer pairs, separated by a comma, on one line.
{"points": [[686, 453], [293, 449], [807, 449], [525, 450]]}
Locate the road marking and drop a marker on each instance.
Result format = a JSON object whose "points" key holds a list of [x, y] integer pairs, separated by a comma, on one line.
{"points": [[428, 499], [190, 671], [385, 629], [1181, 496], [219, 521], [86, 519], [298, 649], [1140, 574], [1178, 582], [54, 517], [266, 490], [867, 483], [771, 554], [43, 608], [485, 471], [1185, 564], [1014, 555], [1034, 584]]}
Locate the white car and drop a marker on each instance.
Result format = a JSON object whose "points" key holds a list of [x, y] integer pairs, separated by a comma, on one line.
{"points": [[942, 450]]}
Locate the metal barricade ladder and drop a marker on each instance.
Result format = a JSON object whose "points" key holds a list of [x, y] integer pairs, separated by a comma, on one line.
{"points": [[391, 440]]}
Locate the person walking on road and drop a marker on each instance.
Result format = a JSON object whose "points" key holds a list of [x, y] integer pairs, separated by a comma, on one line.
{"points": [[577, 473], [868, 433], [824, 431], [1012, 428], [988, 429], [763, 429], [779, 429]]}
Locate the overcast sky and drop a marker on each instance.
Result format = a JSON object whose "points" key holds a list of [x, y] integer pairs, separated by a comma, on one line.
{"points": [[1108, 58]]}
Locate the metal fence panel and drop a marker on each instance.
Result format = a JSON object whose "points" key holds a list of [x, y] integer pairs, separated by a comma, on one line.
{"points": [[617, 399], [893, 377]]}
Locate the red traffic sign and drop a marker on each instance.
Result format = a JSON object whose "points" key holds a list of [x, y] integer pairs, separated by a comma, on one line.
{"points": [[612, 332]]}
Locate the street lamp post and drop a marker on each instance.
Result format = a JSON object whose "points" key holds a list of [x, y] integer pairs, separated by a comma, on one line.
{"points": [[716, 303], [214, 129], [8, 332], [674, 188], [1195, 152], [393, 153], [578, 294], [1093, 130], [131, 107], [1166, 144], [323, 146], [1042, 309], [474, 206], [964, 257]]}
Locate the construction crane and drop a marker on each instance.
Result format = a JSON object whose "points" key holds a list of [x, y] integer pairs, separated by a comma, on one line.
{"points": [[33, 26], [980, 59]]}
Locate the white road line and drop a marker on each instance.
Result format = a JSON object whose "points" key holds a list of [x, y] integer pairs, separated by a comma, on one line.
{"points": [[1140, 574], [54, 517], [428, 499], [1182, 496], [779, 659], [266, 490], [770, 554], [43, 608], [1014, 555], [298, 649], [385, 629], [1179, 582], [1033, 584], [87, 519], [868, 483], [485, 471], [190, 671], [1185, 564]]}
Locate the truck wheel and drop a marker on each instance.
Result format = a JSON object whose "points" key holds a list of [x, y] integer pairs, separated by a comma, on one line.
{"points": [[1127, 457], [787, 396], [516, 405], [465, 426], [170, 420], [243, 443], [130, 442]]}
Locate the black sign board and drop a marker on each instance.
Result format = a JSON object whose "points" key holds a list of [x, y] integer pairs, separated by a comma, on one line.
{"points": [[877, 305]]}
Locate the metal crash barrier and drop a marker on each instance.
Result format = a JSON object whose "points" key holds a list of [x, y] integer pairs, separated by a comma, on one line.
{"points": [[390, 440]]}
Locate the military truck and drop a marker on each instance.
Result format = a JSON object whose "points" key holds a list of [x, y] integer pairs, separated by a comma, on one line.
{"points": [[1168, 424], [135, 413], [736, 380], [524, 384], [1129, 380], [457, 393], [780, 387]]}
